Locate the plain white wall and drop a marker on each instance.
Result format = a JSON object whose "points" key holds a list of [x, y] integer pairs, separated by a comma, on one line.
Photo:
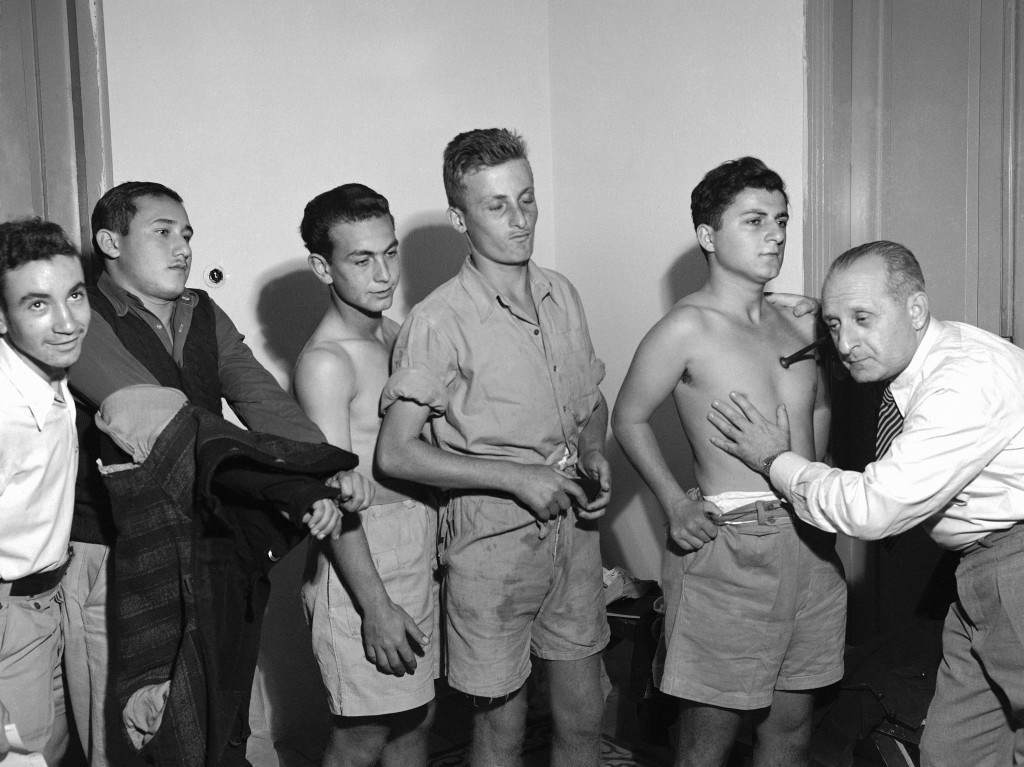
{"points": [[249, 109], [646, 98]]}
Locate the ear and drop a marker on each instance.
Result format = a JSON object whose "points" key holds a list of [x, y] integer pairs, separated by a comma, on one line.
{"points": [[917, 308], [3, 322], [706, 237], [456, 219], [109, 243], [321, 268]]}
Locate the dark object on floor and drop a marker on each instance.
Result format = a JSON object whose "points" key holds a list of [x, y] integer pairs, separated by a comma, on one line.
{"points": [[877, 714]]}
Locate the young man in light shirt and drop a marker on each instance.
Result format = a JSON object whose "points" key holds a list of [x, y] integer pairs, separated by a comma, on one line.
{"points": [[498, 364], [44, 314]]}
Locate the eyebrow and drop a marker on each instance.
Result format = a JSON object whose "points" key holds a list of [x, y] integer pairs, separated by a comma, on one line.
{"points": [[29, 297], [391, 246], [756, 211], [171, 221]]}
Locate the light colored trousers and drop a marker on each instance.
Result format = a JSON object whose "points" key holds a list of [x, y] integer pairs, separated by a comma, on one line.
{"points": [[31, 683], [86, 650], [976, 718]]}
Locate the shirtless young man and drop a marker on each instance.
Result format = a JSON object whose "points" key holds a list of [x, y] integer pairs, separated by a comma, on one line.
{"points": [[371, 623], [755, 601]]}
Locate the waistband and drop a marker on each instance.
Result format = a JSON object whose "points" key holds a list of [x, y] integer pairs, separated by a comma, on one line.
{"points": [[743, 507], [36, 583], [991, 539], [383, 508], [759, 512]]}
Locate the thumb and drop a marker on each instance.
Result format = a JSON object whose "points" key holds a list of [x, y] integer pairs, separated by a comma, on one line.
{"points": [[782, 418], [413, 630]]}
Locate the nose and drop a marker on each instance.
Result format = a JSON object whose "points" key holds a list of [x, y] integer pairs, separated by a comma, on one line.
{"points": [[64, 321], [844, 341], [381, 273], [184, 248], [776, 233], [518, 217]]}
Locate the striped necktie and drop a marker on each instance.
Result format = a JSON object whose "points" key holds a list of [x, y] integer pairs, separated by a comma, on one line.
{"points": [[890, 423]]}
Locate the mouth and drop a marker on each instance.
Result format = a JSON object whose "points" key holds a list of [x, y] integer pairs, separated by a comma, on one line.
{"points": [[68, 345]]}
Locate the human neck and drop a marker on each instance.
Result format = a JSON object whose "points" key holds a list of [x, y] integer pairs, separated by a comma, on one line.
{"points": [[362, 323]]}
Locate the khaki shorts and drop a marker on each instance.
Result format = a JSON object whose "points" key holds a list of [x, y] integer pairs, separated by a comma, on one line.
{"points": [[402, 539], [509, 592], [760, 608]]}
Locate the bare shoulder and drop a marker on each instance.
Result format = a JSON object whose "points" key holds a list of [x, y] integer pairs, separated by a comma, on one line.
{"points": [[687, 320], [326, 363]]}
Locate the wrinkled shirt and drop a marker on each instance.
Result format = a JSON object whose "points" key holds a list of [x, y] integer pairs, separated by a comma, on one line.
{"points": [[38, 465], [958, 465], [499, 385]]}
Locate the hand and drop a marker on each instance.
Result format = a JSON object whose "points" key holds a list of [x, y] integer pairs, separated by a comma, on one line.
{"points": [[355, 492], [800, 305], [323, 519], [545, 492], [387, 630], [688, 523], [594, 465], [748, 435]]}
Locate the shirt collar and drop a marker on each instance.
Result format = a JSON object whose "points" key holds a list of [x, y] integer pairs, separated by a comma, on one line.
{"points": [[486, 298], [123, 300], [37, 393], [902, 385]]}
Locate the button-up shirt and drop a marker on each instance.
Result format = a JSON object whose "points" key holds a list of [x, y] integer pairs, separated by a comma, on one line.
{"points": [[38, 464], [958, 465], [498, 384]]}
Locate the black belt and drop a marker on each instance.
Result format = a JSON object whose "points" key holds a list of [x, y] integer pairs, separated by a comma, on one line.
{"points": [[37, 583]]}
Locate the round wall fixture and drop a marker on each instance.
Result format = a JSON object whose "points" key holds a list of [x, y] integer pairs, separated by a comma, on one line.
{"points": [[215, 276]]}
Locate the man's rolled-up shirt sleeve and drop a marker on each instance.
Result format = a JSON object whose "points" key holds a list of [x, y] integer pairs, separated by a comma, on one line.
{"points": [[423, 365], [949, 436]]}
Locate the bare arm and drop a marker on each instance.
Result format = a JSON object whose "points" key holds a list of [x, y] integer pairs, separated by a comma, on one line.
{"points": [[402, 454], [325, 386], [657, 366]]}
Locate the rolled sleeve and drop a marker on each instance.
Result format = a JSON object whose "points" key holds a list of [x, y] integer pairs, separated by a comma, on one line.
{"points": [[415, 384], [423, 365]]}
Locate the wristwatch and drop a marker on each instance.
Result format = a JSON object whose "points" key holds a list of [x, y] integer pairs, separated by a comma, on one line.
{"points": [[766, 464]]}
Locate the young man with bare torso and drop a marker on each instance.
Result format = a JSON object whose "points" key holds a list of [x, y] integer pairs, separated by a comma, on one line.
{"points": [[372, 611], [755, 601]]}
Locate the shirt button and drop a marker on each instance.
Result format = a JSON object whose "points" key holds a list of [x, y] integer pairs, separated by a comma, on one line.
{"points": [[554, 368], [536, 332]]}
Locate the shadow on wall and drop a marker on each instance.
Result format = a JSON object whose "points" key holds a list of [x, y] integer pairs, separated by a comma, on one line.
{"points": [[688, 273], [432, 253], [290, 305]]}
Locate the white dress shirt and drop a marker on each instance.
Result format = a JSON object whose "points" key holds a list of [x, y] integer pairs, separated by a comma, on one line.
{"points": [[958, 465], [38, 465]]}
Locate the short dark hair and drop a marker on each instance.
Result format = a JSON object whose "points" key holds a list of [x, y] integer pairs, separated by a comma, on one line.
{"points": [[116, 208], [31, 239], [719, 188], [903, 275], [346, 203], [481, 148]]}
